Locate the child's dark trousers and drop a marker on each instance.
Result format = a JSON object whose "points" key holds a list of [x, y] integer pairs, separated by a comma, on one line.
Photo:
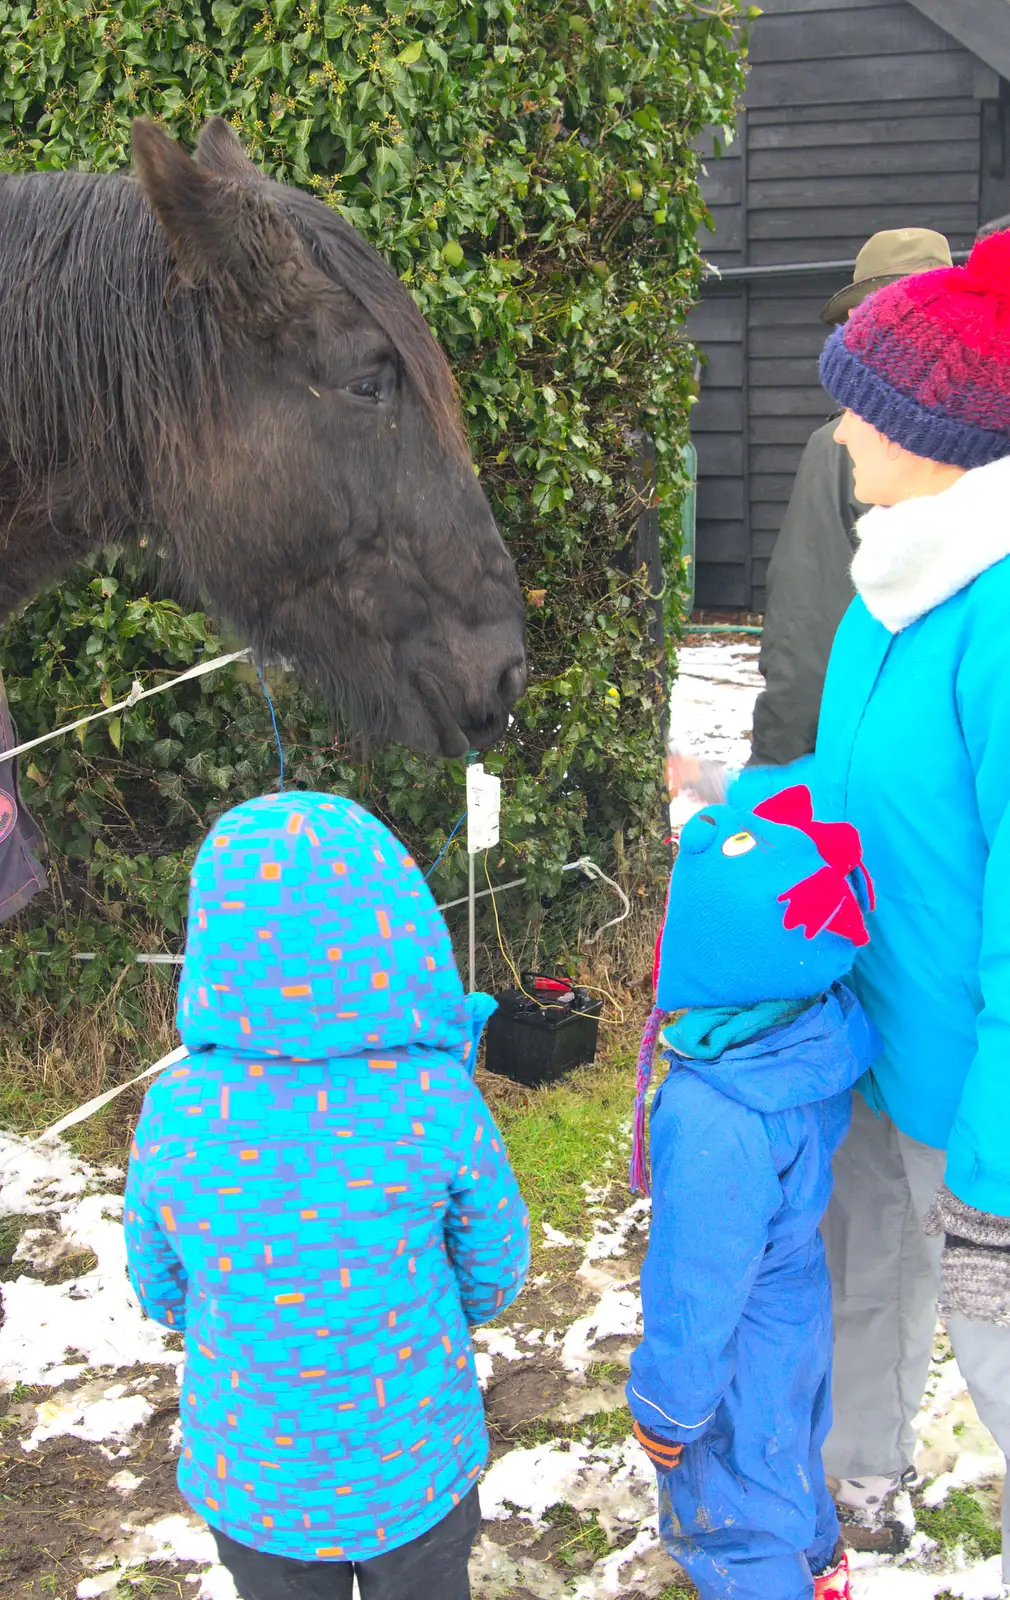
{"points": [[433, 1567]]}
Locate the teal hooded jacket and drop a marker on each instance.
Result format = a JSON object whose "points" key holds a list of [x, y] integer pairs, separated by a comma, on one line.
{"points": [[913, 747], [318, 1198]]}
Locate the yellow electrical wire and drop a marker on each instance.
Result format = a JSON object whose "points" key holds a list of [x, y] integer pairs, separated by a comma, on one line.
{"points": [[518, 980]]}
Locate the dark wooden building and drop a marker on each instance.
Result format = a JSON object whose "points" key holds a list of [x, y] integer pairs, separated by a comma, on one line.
{"points": [[859, 115]]}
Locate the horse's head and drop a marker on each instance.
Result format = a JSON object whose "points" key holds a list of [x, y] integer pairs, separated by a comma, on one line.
{"points": [[332, 511]]}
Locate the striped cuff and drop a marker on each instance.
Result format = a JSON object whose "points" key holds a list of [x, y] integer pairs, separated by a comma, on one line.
{"points": [[663, 1453]]}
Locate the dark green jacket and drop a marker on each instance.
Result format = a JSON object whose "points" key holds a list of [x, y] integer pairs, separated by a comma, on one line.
{"points": [[809, 590]]}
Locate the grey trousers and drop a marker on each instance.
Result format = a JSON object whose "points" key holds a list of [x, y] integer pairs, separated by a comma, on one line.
{"points": [[885, 1275]]}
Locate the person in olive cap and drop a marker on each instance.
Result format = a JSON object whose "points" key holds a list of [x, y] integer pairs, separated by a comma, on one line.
{"points": [[809, 588]]}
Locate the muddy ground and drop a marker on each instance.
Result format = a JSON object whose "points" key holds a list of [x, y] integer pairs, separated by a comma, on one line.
{"points": [[88, 1446]]}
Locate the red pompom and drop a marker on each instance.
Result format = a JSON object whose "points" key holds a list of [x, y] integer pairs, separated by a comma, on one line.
{"points": [[989, 263]]}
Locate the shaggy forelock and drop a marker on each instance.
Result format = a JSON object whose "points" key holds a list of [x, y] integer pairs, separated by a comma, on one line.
{"points": [[343, 255]]}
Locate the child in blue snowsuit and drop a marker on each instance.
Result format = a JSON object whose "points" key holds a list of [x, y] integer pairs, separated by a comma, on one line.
{"points": [[319, 1200], [730, 1387]]}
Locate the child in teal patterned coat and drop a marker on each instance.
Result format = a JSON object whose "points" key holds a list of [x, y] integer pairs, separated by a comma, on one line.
{"points": [[319, 1200]]}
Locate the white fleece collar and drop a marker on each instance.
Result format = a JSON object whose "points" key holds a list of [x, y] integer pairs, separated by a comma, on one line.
{"points": [[915, 555]]}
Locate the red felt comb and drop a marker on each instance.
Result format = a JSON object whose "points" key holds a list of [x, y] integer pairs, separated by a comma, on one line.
{"points": [[825, 899]]}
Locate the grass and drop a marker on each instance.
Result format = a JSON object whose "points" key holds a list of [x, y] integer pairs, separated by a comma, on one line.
{"points": [[566, 1135], [586, 1539], [960, 1522], [601, 1428], [50, 1063], [607, 1372], [605, 1427], [11, 1229]]}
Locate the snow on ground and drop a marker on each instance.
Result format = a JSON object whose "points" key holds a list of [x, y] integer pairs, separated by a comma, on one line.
{"points": [[612, 1481], [81, 1337], [712, 707], [98, 1308]]}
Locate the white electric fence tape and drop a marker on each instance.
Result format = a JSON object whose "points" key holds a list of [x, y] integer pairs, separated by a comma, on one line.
{"points": [[136, 694], [82, 1113], [482, 830]]}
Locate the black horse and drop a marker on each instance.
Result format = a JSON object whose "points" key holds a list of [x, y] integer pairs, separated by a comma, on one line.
{"points": [[217, 362]]}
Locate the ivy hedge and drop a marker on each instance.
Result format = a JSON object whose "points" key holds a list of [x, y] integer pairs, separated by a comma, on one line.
{"points": [[528, 169]]}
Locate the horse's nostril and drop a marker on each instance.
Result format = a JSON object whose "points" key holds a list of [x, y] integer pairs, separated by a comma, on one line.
{"points": [[512, 683]]}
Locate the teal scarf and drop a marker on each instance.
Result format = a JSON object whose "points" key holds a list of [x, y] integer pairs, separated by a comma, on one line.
{"points": [[707, 1032]]}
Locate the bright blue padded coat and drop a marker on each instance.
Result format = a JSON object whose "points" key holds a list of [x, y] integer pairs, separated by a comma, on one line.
{"points": [[736, 1356], [913, 748], [318, 1196]]}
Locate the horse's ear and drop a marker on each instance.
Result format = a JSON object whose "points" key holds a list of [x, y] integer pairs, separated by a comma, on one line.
{"points": [[218, 149], [228, 235]]}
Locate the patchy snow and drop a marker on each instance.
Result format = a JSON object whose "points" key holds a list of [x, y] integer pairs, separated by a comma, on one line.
{"points": [[93, 1588], [174, 1538], [532, 1480], [616, 1482], [611, 1234], [554, 1239], [498, 1342], [36, 1177], [617, 1314], [712, 708], [52, 1333], [611, 1577], [967, 1471], [125, 1482], [216, 1584], [97, 1412], [891, 1582]]}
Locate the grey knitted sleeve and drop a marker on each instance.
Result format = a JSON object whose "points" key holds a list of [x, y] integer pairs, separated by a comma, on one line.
{"points": [[976, 1259]]}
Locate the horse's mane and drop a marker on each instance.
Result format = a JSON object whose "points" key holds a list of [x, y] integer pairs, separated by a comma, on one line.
{"points": [[92, 370], [105, 363]]}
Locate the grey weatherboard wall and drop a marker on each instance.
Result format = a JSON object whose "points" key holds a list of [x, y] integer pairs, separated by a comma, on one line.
{"points": [[859, 115]]}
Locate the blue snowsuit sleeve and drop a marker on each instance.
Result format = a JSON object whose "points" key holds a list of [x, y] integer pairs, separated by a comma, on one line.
{"points": [[714, 1195], [487, 1225], [978, 1153], [156, 1272]]}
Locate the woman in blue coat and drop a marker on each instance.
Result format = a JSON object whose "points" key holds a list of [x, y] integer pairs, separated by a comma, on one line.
{"points": [[914, 748]]}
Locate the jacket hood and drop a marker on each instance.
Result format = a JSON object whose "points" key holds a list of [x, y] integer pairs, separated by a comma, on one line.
{"points": [[823, 1052], [312, 934]]}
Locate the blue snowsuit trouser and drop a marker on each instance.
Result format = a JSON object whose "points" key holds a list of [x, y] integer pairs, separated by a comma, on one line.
{"points": [[758, 1465], [735, 1358]]}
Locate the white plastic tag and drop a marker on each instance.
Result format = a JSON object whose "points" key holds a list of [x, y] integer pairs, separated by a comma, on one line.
{"points": [[483, 809]]}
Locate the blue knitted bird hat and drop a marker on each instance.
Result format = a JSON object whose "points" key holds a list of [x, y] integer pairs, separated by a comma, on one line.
{"points": [[764, 905], [761, 907]]}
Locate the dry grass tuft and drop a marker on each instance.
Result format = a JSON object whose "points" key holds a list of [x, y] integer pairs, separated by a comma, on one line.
{"points": [[50, 1063]]}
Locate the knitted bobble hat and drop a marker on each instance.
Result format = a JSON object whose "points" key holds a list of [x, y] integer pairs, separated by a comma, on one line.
{"points": [[764, 905], [926, 360]]}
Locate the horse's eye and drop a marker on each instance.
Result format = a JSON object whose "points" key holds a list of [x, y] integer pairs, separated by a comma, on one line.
{"points": [[367, 388]]}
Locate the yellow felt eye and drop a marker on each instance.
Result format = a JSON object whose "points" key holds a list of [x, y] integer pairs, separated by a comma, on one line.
{"points": [[738, 844]]}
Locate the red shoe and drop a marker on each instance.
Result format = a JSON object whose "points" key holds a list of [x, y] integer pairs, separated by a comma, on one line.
{"points": [[834, 1585]]}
